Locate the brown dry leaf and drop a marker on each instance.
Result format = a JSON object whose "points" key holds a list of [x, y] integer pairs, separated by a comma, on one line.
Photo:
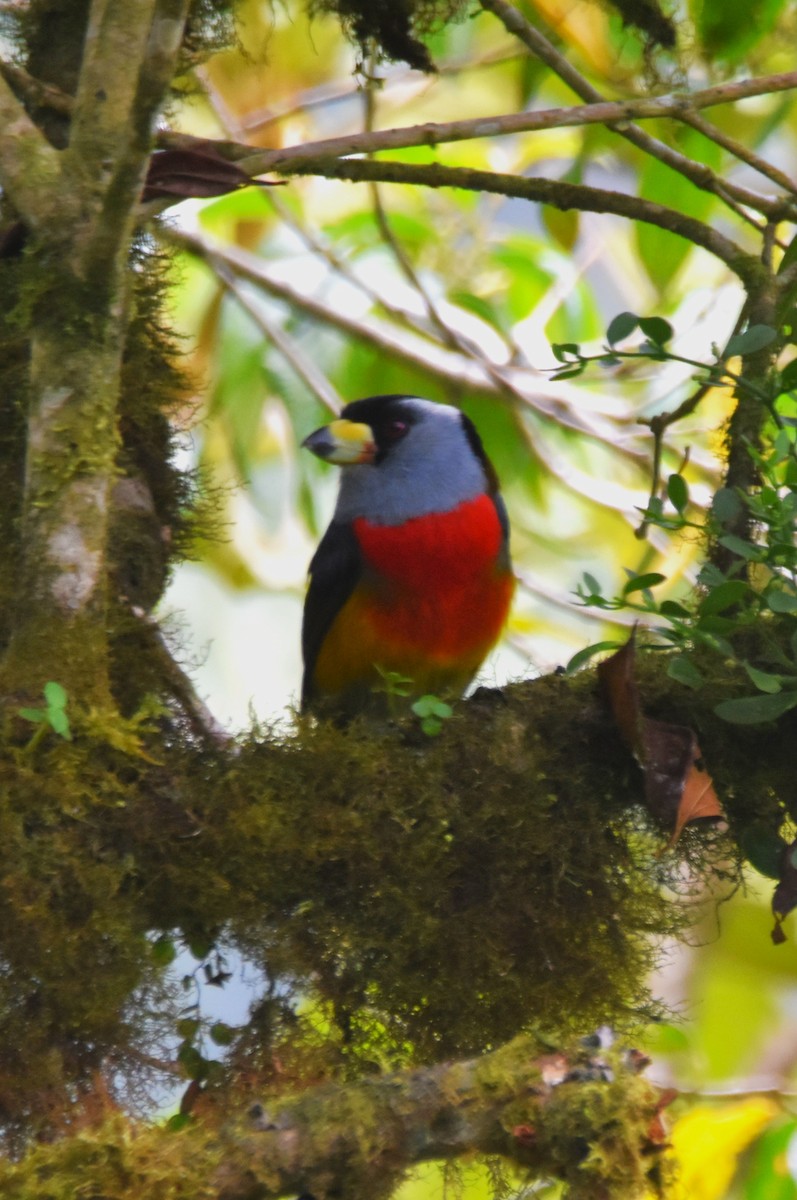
{"points": [[197, 172], [617, 677], [784, 898], [678, 790], [698, 799]]}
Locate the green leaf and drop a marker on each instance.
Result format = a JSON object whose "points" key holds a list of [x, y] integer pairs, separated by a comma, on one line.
{"points": [[780, 601], [640, 583], [726, 505], [583, 656], [754, 710], [728, 29], [179, 1121], [200, 946], [565, 351], [726, 594], [432, 706], [187, 1027], [683, 670], [562, 225], [59, 722], [480, 307], [592, 585], [763, 847], [55, 694], [678, 492], [657, 329], [754, 338], [663, 253], [33, 714], [740, 547], [571, 373], [192, 1062], [222, 1034], [163, 951], [788, 376], [671, 608], [621, 327], [763, 680]]}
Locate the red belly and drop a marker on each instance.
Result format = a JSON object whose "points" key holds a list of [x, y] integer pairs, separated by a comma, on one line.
{"points": [[432, 601]]}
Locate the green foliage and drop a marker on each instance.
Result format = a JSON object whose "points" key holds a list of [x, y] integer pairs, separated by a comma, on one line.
{"points": [[432, 712], [736, 613], [54, 712]]}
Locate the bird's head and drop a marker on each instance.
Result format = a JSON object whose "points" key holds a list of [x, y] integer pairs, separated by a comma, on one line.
{"points": [[403, 457]]}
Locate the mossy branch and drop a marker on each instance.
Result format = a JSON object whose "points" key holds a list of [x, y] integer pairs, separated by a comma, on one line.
{"points": [[587, 1118], [30, 170], [569, 1116], [79, 306]]}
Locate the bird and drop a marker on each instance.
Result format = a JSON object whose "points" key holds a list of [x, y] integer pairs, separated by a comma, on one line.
{"points": [[413, 575]]}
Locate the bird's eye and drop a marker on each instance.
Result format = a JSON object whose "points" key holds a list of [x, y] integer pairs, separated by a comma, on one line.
{"points": [[396, 430]]}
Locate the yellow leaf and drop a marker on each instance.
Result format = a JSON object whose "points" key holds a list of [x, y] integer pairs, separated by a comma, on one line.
{"points": [[706, 1144]]}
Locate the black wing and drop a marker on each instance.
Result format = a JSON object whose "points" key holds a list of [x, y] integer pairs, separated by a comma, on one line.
{"points": [[503, 517], [334, 572]]}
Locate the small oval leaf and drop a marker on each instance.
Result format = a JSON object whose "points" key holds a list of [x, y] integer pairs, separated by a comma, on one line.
{"points": [[754, 338], [732, 591], [640, 583], [678, 492], [763, 680], [621, 326], [781, 601], [754, 710], [657, 329], [583, 656]]}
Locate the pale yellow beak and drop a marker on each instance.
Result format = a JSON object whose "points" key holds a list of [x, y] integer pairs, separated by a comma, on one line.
{"points": [[343, 442]]}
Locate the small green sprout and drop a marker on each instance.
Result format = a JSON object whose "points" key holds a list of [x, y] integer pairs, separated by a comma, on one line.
{"points": [[393, 682], [432, 712], [53, 715]]}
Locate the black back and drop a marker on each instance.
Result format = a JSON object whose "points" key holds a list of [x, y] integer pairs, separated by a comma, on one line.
{"points": [[334, 571]]}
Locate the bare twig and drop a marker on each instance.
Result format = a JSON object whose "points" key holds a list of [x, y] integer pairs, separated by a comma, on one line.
{"points": [[450, 369], [595, 112], [304, 367], [738, 150], [547, 191], [327, 252], [698, 174]]}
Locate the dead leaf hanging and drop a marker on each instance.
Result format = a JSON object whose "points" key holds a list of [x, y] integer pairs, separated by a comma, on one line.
{"points": [[678, 789]]}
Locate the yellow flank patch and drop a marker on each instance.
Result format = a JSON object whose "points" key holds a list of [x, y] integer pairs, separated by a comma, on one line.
{"points": [[356, 645]]}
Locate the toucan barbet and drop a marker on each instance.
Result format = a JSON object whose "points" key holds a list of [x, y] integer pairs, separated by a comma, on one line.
{"points": [[413, 575]]}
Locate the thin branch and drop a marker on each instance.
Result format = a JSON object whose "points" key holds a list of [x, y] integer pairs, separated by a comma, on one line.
{"points": [[305, 368], [449, 336], [738, 150], [598, 112], [34, 91], [698, 174], [201, 720], [449, 369], [327, 252], [546, 191]]}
